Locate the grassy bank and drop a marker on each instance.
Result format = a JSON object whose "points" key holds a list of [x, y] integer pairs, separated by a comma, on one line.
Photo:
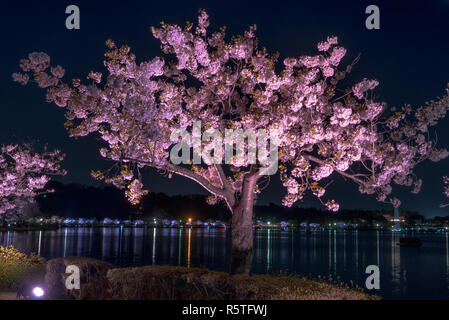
{"points": [[100, 280], [173, 283]]}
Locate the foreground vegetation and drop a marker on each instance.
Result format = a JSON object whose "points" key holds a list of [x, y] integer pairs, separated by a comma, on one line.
{"points": [[16, 267], [172, 283], [100, 280]]}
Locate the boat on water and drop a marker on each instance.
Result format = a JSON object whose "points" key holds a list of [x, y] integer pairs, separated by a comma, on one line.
{"points": [[410, 242]]}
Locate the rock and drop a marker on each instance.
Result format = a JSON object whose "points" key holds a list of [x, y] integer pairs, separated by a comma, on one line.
{"points": [[93, 281]]}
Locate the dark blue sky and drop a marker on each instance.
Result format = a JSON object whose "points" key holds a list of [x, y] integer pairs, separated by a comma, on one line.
{"points": [[408, 55]]}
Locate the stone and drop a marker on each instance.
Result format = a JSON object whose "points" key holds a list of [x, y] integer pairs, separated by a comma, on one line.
{"points": [[93, 281]]}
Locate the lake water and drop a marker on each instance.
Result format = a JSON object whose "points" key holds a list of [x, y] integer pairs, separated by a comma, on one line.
{"points": [[406, 273]]}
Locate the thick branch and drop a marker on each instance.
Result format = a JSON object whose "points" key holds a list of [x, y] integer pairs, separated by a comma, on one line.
{"points": [[225, 194], [347, 175], [221, 174]]}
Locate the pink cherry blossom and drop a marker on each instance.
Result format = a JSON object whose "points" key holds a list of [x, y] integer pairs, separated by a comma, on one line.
{"points": [[326, 129], [24, 174]]}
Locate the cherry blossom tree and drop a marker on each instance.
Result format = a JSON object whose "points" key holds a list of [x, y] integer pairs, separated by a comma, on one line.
{"points": [[24, 174], [324, 128]]}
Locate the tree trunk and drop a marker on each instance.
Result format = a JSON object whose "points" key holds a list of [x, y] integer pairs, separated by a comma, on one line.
{"points": [[242, 239], [3, 220], [242, 228]]}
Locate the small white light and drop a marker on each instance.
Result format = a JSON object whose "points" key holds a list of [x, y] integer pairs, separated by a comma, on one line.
{"points": [[38, 292]]}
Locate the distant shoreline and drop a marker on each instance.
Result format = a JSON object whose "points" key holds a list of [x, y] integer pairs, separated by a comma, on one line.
{"points": [[307, 230]]}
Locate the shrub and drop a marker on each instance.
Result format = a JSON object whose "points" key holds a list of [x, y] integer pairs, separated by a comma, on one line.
{"points": [[100, 280], [173, 283], [16, 267], [94, 284]]}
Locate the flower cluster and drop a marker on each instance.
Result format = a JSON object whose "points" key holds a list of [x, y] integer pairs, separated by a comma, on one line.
{"points": [[24, 173]]}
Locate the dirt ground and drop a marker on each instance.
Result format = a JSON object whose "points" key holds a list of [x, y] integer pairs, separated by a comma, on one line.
{"points": [[8, 296]]}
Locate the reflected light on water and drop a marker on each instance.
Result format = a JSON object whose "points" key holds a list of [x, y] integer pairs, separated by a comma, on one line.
{"points": [[447, 257], [8, 239], [335, 252], [65, 242], [377, 247], [330, 250], [344, 248], [40, 244], [356, 239], [120, 237], [188, 248], [395, 263], [269, 250], [154, 246], [292, 258], [172, 243], [179, 246]]}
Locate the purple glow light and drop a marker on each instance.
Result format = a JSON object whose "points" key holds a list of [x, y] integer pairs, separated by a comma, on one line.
{"points": [[38, 292]]}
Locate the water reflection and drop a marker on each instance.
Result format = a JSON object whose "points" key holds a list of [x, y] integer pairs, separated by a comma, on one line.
{"points": [[395, 264], [335, 252], [417, 273], [356, 256], [40, 244], [268, 250], [377, 248], [344, 249], [292, 246], [447, 257], [188, 248], [154, 246], [329, 250]]}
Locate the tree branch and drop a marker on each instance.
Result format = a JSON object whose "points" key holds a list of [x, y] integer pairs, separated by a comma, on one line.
{"points": [[224, 193], [221, 174], [347, 175]]}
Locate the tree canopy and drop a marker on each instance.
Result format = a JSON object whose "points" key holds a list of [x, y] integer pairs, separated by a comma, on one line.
{"points": [[324, 128], [25, 173]]}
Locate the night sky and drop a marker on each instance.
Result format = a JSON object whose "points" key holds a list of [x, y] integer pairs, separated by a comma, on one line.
{"points": [[408, 55]]}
